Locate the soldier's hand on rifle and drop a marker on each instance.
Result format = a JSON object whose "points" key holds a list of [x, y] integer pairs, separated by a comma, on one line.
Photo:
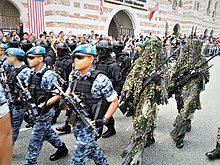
{"points": [[99, 122], [194, 73], [156, 77]]}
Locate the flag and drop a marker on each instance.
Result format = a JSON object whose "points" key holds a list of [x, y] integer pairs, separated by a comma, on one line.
{"points": [[101, 7], [153, 11], [36, 16]]}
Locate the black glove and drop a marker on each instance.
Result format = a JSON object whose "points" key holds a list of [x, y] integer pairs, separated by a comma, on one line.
{"points": [[155, 77], [194, 74], [99, 122]]}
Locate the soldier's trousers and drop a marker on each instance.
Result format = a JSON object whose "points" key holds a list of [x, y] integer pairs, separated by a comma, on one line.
{"points": [[17, 118], [42, 131], [86, 147]]}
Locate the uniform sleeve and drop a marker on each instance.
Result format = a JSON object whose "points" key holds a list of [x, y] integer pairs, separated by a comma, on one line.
{"points": [[102, 87], [24, 76], [48, 79], [4, 107]]}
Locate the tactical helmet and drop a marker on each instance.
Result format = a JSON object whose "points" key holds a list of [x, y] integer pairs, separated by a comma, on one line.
{"points": [[118, 46], [41, 43], [26, 45], [13, 43], [104, 44], [62, 49], [104, 49], [72, 44]]}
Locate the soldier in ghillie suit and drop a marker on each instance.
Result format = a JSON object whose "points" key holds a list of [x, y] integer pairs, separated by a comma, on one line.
{"points": [[145, 99], [190, 74]]}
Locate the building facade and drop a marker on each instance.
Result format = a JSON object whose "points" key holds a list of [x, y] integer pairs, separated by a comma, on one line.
{"points": [[128, 17]]}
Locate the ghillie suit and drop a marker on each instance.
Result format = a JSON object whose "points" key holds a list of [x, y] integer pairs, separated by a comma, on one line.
{"points": [[187, 91], [145, 100]]}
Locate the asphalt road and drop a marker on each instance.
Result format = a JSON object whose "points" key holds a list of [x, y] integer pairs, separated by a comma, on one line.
{"points": [[201, 139]]}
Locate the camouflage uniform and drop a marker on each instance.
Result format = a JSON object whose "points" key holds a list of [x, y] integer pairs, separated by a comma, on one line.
{"points": [[85, 145], [145, 103], [42, 129], [18, 109], [3, 103], [188, 99]]}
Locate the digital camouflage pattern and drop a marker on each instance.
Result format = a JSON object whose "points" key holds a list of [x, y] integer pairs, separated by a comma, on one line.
{"points": [[145, 103], [190, 92]]}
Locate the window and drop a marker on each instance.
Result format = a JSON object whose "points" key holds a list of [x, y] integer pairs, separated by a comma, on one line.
{"points": [[174, 2], [180, 3], [197, 5], [208, 8]]}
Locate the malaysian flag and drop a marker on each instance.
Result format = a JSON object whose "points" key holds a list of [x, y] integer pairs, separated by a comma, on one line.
{"points": [[101, 7], [153, 11], [36, 15]]}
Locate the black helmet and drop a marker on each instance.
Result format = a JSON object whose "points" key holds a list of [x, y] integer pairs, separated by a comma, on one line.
{"points": [[41, 43], [104, 44], [48, 43], [72, 44], [104, 49], [62, 49], [13, 43], [62, 46], [26, 45], [118, 46]]}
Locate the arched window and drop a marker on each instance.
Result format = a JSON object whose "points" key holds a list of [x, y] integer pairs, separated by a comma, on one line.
{"points": [[208, 8]]}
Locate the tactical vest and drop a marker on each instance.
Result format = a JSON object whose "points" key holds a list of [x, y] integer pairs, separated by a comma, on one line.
{"points": [[38, 94], [62, 68], [83, 87], [104, 68], [12, 81]]}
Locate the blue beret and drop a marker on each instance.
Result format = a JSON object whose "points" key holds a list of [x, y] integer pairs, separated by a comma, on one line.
{"points": [[85, 49], [15, 52], [37, 50], [3, 46]]}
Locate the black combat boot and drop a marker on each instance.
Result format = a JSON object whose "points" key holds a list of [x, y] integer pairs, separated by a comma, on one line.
{"points": [[149, 142], [109, 133], [215, 154], [61, 152], [64, 129], [179, 144]]}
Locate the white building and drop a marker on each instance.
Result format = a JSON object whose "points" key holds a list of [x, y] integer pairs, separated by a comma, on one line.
{"points": [[120, 16]]}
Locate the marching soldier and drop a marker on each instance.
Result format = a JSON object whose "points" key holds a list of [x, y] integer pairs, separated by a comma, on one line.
{"points": [[187, 90], [20, 71], [109, 66], [40, 83], [64, 65], [95, 87], [145, 89]]}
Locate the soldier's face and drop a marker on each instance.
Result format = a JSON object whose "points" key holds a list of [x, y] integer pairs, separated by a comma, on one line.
{"points": [[2, 51], [83, 61], [11, 59], [34, 60]]}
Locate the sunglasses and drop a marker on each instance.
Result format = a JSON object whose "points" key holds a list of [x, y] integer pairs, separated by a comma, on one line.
{"points": [[80, 57], [32, 57]]}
